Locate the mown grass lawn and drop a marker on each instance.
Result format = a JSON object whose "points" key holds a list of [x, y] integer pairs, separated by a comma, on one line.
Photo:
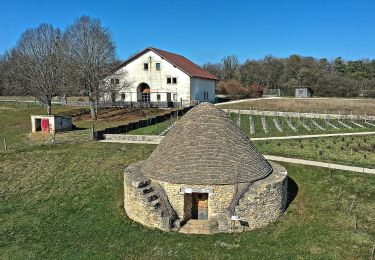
{"points": [[65, 201]]}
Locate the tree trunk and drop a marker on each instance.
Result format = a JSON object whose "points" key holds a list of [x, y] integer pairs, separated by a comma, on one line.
{"points": [[93, 109], [49, 107]]}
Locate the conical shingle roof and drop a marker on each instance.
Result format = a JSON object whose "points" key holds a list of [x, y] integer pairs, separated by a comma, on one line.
{"points": [[206, 147]]}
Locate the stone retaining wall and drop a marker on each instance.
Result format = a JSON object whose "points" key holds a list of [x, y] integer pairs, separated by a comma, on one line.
{"points": [[156, 139]]}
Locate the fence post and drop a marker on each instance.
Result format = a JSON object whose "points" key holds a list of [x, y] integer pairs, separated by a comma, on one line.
{"points": [[93, 133], [5, 144]]}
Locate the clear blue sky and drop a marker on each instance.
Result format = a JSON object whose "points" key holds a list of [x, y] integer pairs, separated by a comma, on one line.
{"points": [[208, 30]]}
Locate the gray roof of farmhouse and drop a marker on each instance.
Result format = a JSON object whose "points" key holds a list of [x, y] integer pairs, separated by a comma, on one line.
{"points": [[206, 147]]}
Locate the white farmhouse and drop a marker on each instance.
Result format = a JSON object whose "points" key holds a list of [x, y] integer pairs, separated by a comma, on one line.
{"points": [[159, 78]]}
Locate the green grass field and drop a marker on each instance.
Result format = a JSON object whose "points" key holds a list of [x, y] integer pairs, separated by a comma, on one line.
{"points": [[65, 201]]}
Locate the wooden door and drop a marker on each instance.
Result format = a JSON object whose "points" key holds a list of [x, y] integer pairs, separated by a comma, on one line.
{"points": [[45, 125], [200, 206]]}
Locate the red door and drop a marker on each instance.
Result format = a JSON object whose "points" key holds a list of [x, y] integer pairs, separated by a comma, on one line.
{"points": [[45, 125]]}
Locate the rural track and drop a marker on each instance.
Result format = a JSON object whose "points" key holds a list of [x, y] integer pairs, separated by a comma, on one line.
{"points": [[320, 164]]}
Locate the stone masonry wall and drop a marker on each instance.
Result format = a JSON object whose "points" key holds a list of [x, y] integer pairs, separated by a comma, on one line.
{"points": [[152, 139], [265, 200], [136, 205], [219, 197]]}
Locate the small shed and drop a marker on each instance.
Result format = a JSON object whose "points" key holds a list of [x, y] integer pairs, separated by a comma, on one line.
{"points": [[302, 92], [51, 124]]}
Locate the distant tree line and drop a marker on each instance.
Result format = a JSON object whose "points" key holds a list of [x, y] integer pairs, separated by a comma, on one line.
{"points": [[336, 78], [48, 62]]}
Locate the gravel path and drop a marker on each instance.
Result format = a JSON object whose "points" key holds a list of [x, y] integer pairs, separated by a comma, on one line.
{"points": [[321, 164]]}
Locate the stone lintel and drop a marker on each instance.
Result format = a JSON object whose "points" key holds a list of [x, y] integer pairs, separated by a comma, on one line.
{"points": [[192, 190]]}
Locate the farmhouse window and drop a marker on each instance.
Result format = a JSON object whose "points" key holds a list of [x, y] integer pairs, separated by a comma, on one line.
{"points": [[145, 66], [117, 81], [157, 66], [122, 96], [158, 97], [174, 97], [112, 81], [174, 80], [169, 80]]}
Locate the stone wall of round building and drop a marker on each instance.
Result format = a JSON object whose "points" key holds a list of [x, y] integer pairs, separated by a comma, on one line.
{"points": [[265, 200], [258, 204], [219, 197]]}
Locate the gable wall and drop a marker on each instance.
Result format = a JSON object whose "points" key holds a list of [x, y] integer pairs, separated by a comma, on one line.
{"points": [[157, 80], [199, 86]]}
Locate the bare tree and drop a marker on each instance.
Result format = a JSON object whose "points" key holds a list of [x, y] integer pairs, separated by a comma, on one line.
{"points": [[230, 68], [4, 64], [91, 51], [112, 85], [35, 63]]}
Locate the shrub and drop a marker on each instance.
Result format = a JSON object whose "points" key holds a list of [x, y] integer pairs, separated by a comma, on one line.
{"points": [[254, 91]]}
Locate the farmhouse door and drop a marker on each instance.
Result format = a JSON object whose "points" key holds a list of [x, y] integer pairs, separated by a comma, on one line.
{"points": [[169, 100], [45, 125], [200, 206]]}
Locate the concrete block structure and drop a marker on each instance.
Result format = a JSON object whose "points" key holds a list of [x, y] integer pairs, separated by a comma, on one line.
{"points": [[302, 92], [50, 124], [205, 177]]}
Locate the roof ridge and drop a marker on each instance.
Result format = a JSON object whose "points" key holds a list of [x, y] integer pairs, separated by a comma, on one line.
{"points": [[179, 61]]}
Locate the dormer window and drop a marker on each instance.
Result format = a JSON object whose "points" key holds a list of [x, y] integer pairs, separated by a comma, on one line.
{"points": [[145, 66]]}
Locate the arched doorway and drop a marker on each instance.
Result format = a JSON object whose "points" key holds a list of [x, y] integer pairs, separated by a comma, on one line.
{"points": [[143, 92]]}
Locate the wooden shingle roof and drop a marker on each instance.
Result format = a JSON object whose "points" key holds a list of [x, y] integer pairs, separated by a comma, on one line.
{"points": [[206, 147]]}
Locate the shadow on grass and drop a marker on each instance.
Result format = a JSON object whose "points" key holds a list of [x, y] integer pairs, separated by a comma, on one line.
{"points": [[292, 191], [78, 128]]}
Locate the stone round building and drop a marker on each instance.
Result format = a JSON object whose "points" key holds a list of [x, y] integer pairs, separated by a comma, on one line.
{"points": [[205, 177]]}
